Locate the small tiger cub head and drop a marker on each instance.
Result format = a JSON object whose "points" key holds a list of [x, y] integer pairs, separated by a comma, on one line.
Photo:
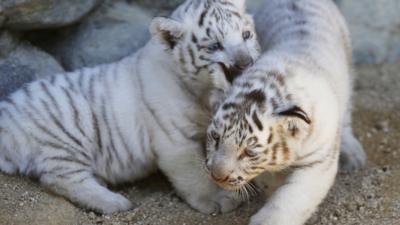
{"points": [[257, 128], [211, 41]]}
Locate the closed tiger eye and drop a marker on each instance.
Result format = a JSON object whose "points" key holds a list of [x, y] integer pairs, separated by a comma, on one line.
{"points": [[249, 153], [251, 142]]}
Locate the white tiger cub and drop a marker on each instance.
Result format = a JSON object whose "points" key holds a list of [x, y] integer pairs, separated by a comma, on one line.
{"points": [[120, 122], [286, 112]]}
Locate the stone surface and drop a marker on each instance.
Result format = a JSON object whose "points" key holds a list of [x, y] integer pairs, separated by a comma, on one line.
{"points": [[35, 14], [111, 33], [375, 27], [20, 63], [160, 4]]}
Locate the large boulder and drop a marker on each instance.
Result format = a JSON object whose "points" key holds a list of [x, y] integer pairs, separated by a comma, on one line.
{"points": [[35, 14], [21, 63], [114, 31], [161, 4], [375, 27]]}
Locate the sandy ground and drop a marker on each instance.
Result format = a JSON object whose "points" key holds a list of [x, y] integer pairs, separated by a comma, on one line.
{"points": [[367, 197]]}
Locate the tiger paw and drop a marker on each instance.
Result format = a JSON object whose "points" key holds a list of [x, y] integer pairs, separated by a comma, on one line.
{"points": [[227, 201], [352, 155], [222, 202]]}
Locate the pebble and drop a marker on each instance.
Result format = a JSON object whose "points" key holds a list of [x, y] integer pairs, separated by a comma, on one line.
{"points": [[383, 126], [92, 215]]}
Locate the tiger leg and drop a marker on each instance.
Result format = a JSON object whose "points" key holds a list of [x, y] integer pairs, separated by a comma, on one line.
{"points": [[81, 187], [303, 190], [185, 171], [352, 156]]}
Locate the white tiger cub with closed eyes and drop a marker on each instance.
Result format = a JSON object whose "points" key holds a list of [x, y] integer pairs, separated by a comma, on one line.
{"points": [[286, 112], [120, 122]]}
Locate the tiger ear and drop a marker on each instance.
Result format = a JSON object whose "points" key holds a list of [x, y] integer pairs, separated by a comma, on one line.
{"points": [[296, 112], [166, 30]]}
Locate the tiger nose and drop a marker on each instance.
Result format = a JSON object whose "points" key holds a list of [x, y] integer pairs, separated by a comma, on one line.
{"points": [[219, 173], [243, 62]]}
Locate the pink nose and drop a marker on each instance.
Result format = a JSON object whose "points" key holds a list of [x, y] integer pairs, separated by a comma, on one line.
{"points": [[220, 173], [219, 178]]}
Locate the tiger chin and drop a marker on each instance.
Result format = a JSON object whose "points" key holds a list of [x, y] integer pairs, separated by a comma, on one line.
{"points": [[116, 123], [289, 112]]}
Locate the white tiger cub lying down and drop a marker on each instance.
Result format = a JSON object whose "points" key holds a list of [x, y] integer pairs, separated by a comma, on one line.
{"points": [[120, 122], [287, 111]]}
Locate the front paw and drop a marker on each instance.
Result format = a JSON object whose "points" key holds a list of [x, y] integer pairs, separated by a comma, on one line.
{"points": [[221, 202], [227, 201], [352, 155]]}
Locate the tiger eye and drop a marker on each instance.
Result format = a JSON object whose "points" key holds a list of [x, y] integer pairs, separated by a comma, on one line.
{"points": [[251, 142], [249, 153], [246, 35], [215, 47], [215, 135]]}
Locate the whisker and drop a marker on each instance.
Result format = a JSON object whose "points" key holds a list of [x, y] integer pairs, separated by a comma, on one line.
{"points": [[245, 193], [252, 189]]}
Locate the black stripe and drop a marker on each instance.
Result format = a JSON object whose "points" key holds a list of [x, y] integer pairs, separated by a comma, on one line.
{"points": [[72, 172], [110, 134], [192, 57], [194, 38], [52, 99], [121, 137], [96, 128], [49, 133], [257, 121], [69, 81], [91, 87], [146, 104], [53, 79], [75, 111], [60, 125], [203, 15], [67, 159], [53, 145], [80, 79]]}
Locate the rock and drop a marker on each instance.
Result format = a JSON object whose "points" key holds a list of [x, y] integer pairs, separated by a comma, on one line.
{"points": [[254, 5], [21, 63], [111, 33], [375, 27], [39, 14], [161, 4]]}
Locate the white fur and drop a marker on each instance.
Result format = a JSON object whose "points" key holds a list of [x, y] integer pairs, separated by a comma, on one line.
{"points": [[322, 87], [307, 64], [145, 107]]}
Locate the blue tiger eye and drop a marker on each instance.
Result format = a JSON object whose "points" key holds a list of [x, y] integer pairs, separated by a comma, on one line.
{"points": [[215, 47], [246, 35]]}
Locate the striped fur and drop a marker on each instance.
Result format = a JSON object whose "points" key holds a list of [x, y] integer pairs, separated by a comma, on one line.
{"points": [[119, 122], [287, 111]]}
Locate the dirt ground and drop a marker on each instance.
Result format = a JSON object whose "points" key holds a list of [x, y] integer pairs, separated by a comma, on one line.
{"points": [[367, 197]]}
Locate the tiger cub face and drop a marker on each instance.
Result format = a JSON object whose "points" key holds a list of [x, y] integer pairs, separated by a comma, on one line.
{"points": [[257, 128], [212, 41]]}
